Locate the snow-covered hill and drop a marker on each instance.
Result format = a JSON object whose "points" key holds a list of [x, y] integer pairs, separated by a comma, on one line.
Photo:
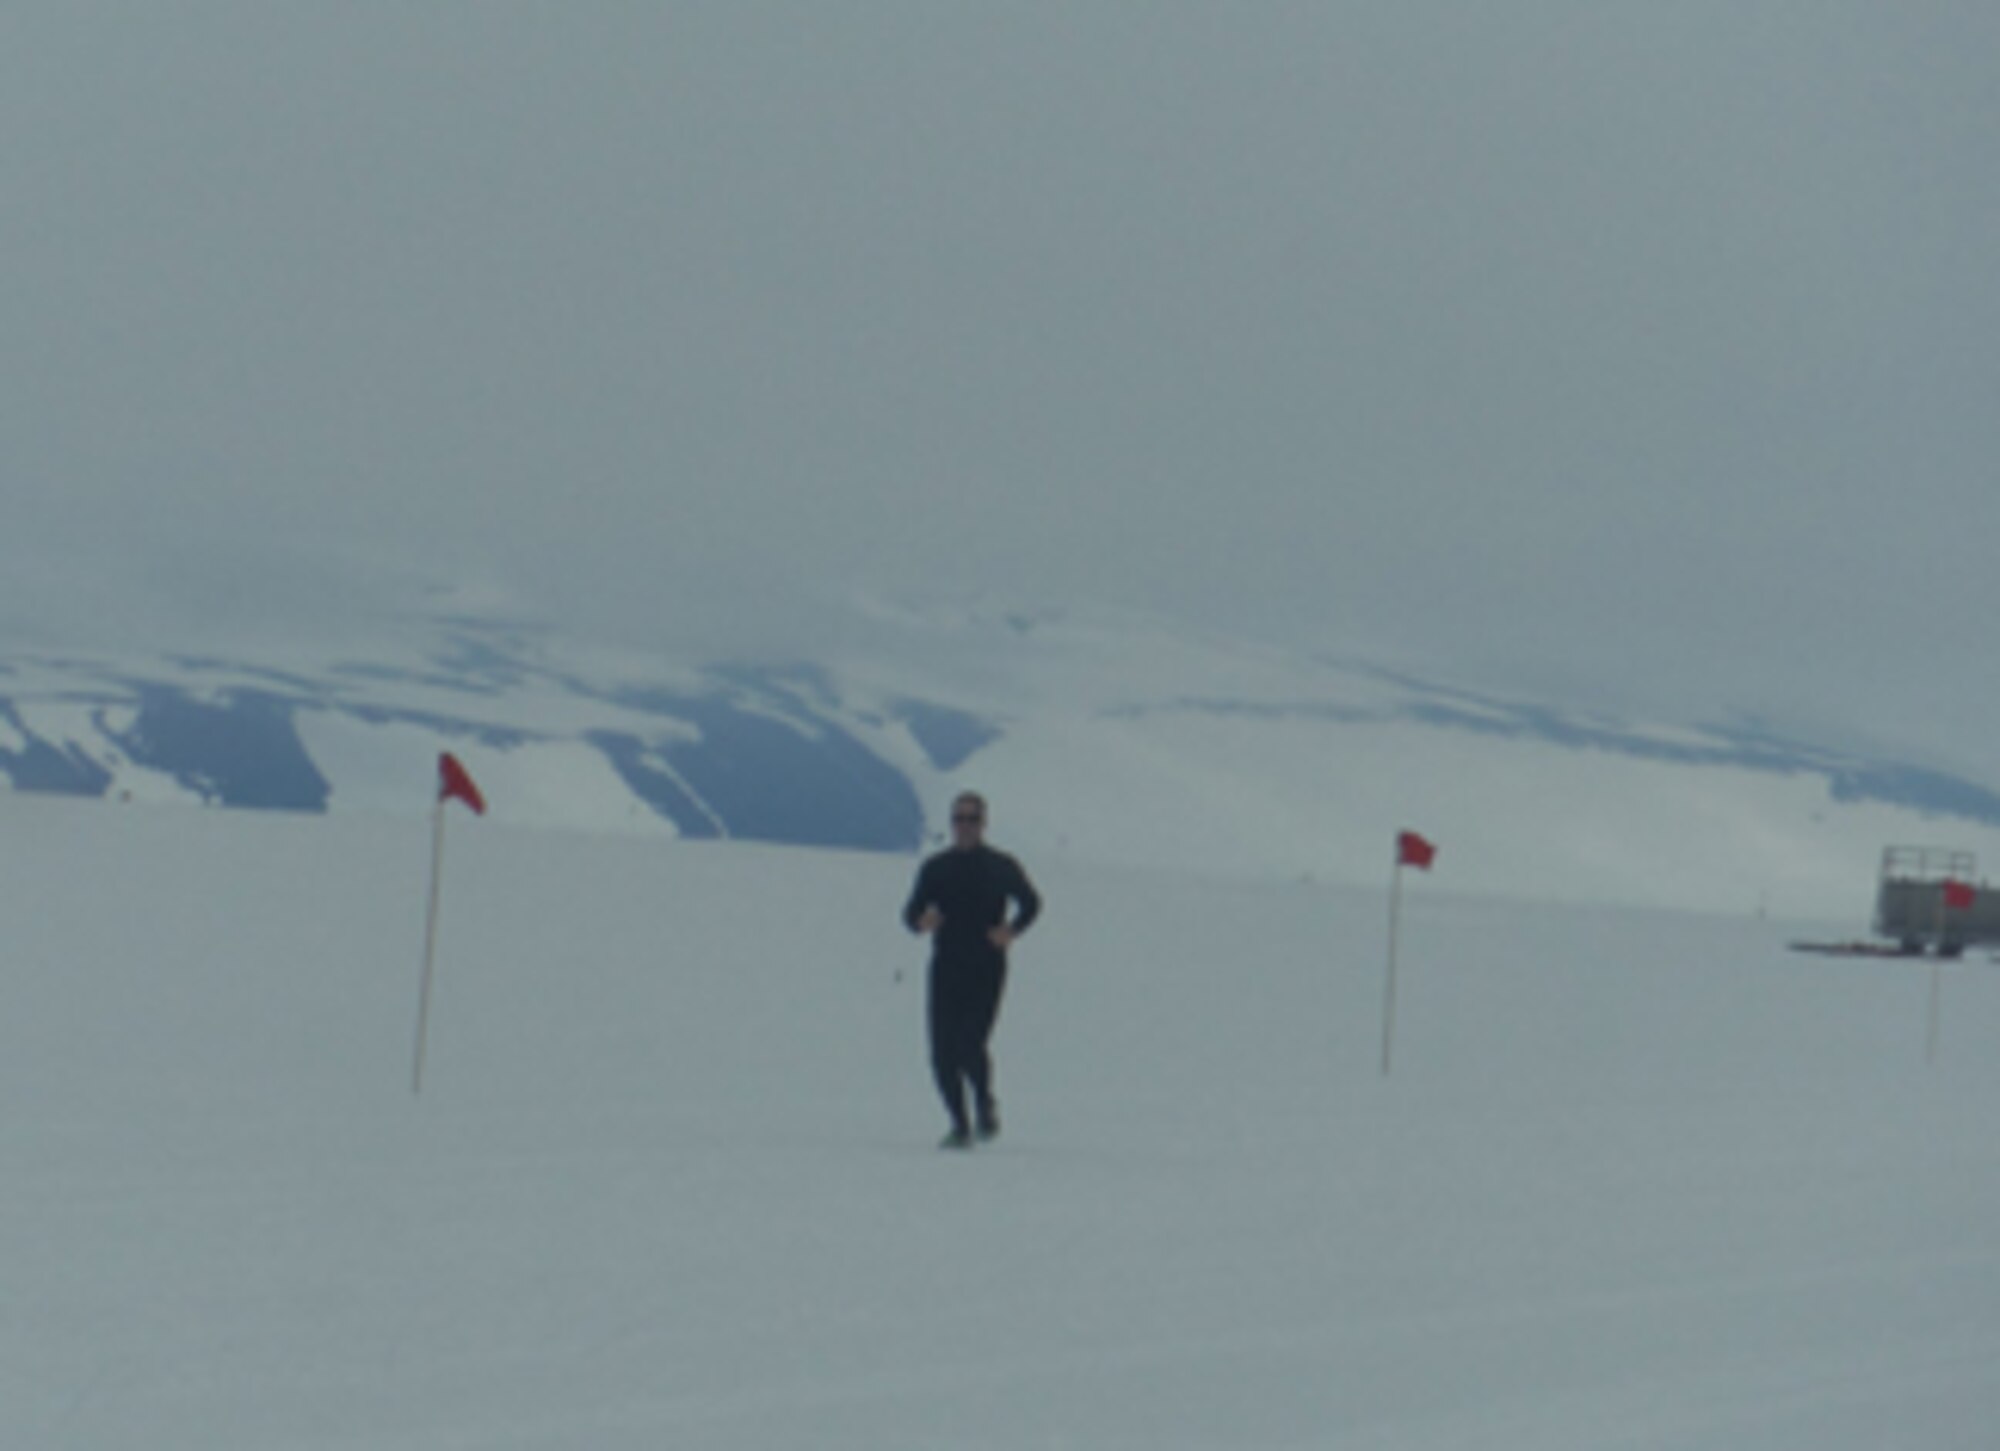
{"points": [[1100, 737]]}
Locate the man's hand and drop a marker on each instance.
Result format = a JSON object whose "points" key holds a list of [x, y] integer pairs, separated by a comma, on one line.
{"points": [[930, 921], [1001, 937]]}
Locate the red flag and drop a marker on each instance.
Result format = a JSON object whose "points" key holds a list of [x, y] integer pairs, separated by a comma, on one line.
{"points": [[1959, 895], [455, 781], [1413, 851]]}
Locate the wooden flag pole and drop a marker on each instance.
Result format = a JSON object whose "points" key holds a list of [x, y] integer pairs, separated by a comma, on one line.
{"points": [[1937, 988], [430, 946], [1389, 988], [1931, 1040]]}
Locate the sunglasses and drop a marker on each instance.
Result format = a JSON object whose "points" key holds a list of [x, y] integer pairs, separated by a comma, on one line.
{"points": [[965, 818]]}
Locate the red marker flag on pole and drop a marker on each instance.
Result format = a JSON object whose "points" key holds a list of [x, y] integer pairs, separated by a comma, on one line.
{"points": [[1953, 896], [455, 783], [1411, 851]]}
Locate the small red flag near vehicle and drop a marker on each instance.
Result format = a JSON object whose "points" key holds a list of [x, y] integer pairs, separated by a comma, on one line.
{"points": [[454, 781], [1413, 851], [1959, 895]]}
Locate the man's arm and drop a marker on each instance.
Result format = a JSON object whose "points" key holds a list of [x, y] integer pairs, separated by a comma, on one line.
{"points": [[1027, 901], [920, 912]]}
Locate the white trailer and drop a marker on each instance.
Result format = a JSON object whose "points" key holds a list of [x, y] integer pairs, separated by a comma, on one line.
{"points": [[1915, 906]]}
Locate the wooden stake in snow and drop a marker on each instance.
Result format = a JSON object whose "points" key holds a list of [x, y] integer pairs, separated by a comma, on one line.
{"points": [[453, 782], [1411, 851], [1952, 896]]}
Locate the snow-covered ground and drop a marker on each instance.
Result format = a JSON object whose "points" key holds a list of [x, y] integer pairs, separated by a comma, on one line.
{"points": [[1639, 1180]]}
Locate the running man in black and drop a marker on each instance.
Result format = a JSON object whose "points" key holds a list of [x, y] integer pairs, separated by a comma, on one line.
{"points": [[960, 900]]}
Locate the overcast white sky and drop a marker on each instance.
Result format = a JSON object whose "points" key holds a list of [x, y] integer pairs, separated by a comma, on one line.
{"points": [[1650, 346]]}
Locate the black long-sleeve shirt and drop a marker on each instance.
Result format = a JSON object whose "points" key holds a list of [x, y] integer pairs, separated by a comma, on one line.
{"points": [[971, 889]]}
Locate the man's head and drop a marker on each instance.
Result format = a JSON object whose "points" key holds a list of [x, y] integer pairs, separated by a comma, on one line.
{"points": [[968, 820]]}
